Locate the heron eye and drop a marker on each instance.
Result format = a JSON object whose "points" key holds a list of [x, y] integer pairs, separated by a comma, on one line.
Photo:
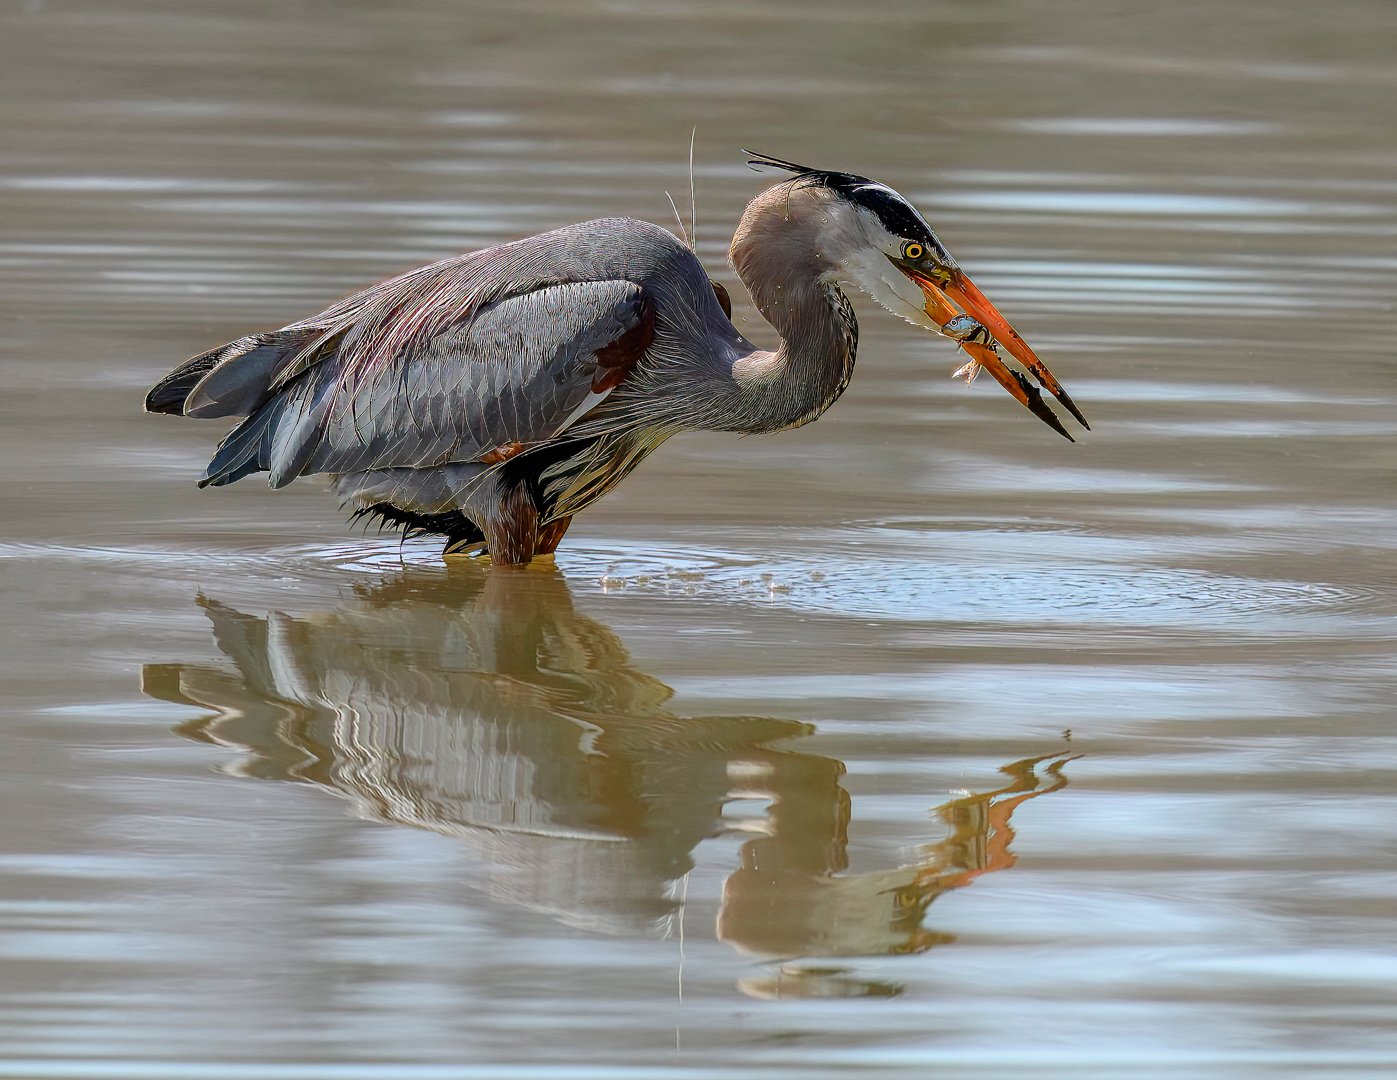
{"points": [[912, 250]]}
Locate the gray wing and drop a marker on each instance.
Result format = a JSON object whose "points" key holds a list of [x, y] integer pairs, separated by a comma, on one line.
{"points": [[515, 370]]}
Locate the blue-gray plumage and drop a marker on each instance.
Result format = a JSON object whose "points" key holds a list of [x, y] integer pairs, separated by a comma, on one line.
{"points": [[492, 396]]}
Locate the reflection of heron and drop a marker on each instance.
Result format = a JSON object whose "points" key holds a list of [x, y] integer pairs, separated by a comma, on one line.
{"points": [[485, 708], [492, 396], [788, 901]]}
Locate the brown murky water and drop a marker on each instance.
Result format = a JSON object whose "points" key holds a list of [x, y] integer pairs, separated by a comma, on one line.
{"points": [[914, 742]]}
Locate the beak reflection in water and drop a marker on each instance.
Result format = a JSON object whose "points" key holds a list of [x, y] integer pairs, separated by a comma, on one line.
{"points": [[518, 727]]}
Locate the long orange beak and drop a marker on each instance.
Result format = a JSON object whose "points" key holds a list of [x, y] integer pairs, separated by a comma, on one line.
{"points": [[963, 291]]}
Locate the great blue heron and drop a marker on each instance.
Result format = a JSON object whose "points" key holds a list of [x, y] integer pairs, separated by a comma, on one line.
{"points": [[490, 397]]}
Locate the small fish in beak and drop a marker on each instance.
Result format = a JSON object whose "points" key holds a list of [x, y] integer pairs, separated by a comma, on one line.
{"points": [[981, 329]]}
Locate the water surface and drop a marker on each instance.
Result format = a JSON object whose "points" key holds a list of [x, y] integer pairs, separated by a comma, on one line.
{"points": [[914, 741]]}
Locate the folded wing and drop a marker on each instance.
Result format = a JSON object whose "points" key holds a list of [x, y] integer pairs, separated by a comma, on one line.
{"points": [[394, 383]]}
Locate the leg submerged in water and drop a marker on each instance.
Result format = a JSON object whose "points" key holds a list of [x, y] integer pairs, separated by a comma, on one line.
{"points": [[480, 509], [511, 530], [512, 538], [551, 535]]}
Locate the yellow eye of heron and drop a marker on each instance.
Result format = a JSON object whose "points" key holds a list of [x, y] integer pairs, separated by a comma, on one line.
{"points": [[912, 250]]}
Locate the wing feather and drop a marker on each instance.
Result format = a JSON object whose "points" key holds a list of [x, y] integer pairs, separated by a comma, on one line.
{"points": [[514, 370]]}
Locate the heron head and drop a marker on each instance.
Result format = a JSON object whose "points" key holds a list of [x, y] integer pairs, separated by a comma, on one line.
{"points": [[870, 235]]}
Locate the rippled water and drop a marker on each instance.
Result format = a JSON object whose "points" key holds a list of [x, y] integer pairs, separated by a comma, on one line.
{"points": [[914, 742]]}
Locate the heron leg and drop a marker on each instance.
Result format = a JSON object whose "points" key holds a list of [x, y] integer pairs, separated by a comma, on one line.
{"points": [[511, 530], [550, 535]]}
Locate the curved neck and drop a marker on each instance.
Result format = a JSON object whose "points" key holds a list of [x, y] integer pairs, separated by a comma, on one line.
{"points": [[780, 263]]}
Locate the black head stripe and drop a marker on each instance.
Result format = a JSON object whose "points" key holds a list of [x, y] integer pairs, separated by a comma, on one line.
{"points": [[898, 216]]}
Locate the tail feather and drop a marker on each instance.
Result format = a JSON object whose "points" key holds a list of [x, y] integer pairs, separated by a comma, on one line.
{"points": [[231, 380], [245, 448], [169, 394]]}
